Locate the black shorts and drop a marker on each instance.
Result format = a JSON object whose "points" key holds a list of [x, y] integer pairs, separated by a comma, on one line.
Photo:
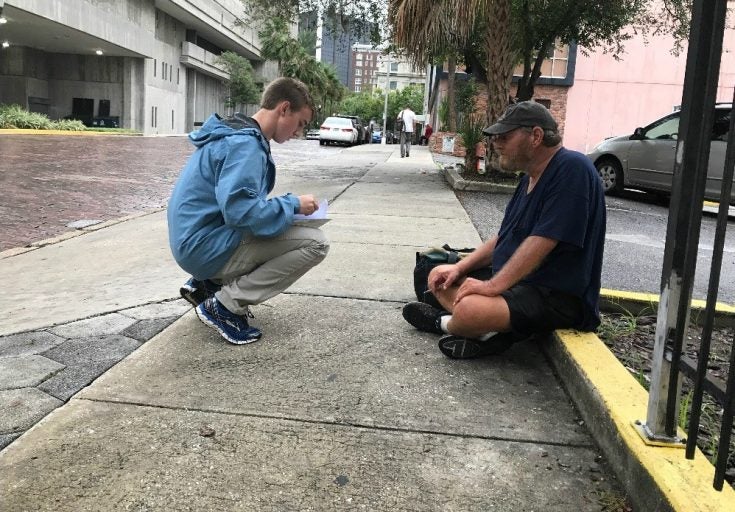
{"points": [[536, 309]]}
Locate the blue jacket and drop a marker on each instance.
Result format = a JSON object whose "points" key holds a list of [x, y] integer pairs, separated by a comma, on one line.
{"points": [[221, 196]]}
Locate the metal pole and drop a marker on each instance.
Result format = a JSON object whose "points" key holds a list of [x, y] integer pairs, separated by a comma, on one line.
{"points": [[685, 212], [385, 105]]}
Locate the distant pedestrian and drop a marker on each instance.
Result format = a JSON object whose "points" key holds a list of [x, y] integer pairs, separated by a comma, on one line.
{"points": [[427, 135], [407, 118], [238, 244], [546, 259]]}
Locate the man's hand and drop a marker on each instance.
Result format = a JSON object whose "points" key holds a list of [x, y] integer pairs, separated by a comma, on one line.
{"points": [[472, 286], [442, 277], [308, 204]]}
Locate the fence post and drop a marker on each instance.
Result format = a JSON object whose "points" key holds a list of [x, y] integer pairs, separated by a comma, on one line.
{"points": [[685, 212]]}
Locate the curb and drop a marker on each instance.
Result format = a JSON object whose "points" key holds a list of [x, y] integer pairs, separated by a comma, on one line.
{"points": [[610, 400], [29, 131], [15, 251], [458, 183], [636, 303]]}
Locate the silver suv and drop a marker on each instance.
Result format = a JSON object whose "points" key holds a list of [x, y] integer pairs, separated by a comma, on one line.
{"points": [[645, 159]]}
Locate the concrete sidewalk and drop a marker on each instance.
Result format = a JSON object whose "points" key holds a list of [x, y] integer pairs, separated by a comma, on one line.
{"points": [[342, 405]]}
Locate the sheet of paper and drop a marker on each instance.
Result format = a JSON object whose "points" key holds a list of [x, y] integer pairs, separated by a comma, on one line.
{"points": [[314, 220]]}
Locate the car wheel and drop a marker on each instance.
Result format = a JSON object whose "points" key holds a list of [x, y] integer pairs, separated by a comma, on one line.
{"points": [[321, 143], [611, 174]]}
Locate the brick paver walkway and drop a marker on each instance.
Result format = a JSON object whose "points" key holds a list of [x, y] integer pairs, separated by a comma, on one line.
{"points": [[48, 181]]}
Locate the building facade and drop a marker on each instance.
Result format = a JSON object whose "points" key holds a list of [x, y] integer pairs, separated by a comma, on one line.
{"points": [[147, 65], [366, 60], [396, 73]]}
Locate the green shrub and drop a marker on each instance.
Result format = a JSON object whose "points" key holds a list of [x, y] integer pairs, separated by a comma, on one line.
{"points": [[68, 124], [471, 132], [15, 116]]}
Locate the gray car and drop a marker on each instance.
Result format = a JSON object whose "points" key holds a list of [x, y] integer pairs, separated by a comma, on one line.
{"points": [[645, 159]]}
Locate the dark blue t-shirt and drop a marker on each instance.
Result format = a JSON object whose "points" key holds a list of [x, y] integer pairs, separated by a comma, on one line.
{"points": [[568, 205]]}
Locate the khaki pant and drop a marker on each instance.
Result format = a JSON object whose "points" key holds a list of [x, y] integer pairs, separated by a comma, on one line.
{"points": [[261, 268]]}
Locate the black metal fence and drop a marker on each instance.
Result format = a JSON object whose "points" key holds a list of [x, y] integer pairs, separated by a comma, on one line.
{"points": [[682, 241]]}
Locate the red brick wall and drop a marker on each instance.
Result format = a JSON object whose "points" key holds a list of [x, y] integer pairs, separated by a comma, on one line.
{"points": [[557, 95], [437, 141]]}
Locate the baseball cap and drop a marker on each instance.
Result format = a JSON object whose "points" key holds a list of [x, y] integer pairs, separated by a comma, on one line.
{"points": [[524, 113]]}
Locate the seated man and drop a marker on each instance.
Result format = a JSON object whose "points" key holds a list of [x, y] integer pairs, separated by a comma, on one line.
{"points": [[238, 244], [546, 257]]}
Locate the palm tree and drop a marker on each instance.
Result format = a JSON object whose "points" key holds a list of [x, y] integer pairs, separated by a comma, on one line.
{"points": [[427, 32]]}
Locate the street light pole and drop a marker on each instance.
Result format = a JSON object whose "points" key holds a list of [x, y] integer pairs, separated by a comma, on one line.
{"points": [[385, 105]]}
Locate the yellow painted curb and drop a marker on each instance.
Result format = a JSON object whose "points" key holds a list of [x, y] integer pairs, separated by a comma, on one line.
{"points": [[18, 131], [687, 484], [651, 300]]}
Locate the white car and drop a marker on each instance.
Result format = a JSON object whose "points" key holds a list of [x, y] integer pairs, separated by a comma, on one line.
{"points": [[312, 134], [339, 130]]}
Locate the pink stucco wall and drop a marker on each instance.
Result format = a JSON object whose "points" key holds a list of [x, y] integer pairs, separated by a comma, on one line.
{"points": [[612, 97]]}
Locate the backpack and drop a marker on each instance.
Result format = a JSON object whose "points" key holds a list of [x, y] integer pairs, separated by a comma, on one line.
{"points": [[399, 123]]}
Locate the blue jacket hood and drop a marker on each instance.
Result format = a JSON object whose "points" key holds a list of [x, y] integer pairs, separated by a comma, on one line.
{"points": [[216, 128]]}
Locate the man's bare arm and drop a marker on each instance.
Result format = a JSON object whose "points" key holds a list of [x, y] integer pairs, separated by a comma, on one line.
{"points": [[479, 258], [525, 260]]}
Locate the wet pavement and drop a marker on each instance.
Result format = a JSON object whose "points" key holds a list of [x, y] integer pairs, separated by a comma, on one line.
{"points": [[50, 181]]}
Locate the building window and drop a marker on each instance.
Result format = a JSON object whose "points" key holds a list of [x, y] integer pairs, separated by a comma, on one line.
{"points": [[154, 117], [357, 88], [178, 70], [393, 85], [155, 65], [358, 72], [163, 70], [170, 72], [555, 64], [358, 81], [394, 67]]}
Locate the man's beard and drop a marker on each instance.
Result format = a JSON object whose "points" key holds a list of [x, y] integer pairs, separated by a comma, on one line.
{"points": [[519, 160]]}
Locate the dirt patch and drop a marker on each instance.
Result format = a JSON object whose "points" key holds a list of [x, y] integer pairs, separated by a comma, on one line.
{"points": [[631, 339], [485, 178]]}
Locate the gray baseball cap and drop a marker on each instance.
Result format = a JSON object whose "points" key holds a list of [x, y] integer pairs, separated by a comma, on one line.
{"points": [[525, 113]]}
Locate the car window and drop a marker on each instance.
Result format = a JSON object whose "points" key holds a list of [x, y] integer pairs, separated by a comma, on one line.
{"points": [[338, 121], [721, 126], [666, 128]]}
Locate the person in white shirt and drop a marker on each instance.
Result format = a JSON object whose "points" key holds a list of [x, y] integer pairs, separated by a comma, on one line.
{"points": [[406, 118]]}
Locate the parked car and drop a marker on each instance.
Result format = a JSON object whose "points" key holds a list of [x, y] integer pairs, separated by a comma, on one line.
{"points": [[377, 136], [338, 130], [313, 134], [645, 159], [364, 132]]}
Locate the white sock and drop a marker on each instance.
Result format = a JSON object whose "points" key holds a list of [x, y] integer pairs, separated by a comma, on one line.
{"points": [[487, 336], [443, 323]]}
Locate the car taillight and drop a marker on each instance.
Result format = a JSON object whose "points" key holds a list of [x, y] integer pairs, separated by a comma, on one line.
{"points": [[324, 127], [346, 129]]}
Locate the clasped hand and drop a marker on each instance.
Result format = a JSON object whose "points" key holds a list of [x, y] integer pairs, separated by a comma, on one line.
{"points": [[308, 204], [445, 276]]}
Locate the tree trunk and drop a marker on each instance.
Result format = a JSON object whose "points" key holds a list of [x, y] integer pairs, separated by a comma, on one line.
{"points": [[451, 92], [499, 68]]}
